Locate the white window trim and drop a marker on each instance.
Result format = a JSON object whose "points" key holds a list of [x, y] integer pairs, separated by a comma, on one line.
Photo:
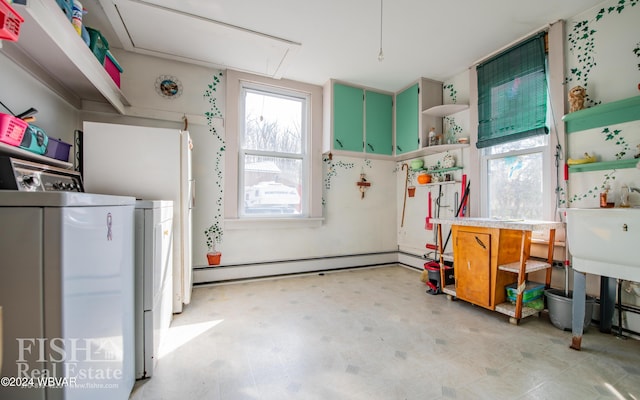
{"points": [[305, 145], [231, 164]]}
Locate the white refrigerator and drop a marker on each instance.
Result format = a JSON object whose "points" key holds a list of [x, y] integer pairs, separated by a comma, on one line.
{"points": [[149, 164]]}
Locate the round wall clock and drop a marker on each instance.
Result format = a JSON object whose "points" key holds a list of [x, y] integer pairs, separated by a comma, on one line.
{"points": [[168, 86]]}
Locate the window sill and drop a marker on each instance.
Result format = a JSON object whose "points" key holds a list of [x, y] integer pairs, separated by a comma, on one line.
{"points": [[272, 223]]}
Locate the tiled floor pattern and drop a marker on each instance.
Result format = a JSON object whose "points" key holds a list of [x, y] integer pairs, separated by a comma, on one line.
{"points": [[375, 334]]}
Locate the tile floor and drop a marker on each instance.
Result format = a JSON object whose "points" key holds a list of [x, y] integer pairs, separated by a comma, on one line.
{"points": [[375, 334]]}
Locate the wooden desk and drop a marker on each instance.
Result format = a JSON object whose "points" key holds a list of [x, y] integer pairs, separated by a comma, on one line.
{"points": [[489, 254]]}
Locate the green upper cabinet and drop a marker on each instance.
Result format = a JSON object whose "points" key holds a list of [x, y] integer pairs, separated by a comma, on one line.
{"points": [[379, 123], [348, 117], [407, 114], [357, 120]]}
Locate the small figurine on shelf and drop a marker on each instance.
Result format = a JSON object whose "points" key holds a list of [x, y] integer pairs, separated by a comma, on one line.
{"points": [[434, 138], [576, 98]]}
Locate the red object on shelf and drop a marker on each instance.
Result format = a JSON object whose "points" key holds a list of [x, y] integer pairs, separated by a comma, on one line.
{"points": [[10, 22], [428, 225]]}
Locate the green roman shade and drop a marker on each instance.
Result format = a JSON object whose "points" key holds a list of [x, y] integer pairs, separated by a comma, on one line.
{"points": [[512, 94]]}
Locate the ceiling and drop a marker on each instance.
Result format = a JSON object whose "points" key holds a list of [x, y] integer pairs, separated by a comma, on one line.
{"points": [[313, 41]]}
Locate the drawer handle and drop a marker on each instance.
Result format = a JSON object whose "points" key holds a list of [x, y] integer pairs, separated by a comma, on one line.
{"points": [[339, 143], [480, 243], [625, 228], [371, 147]]}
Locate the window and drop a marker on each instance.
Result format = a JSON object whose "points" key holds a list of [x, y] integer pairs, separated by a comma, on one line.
{"points": [[273, 164], [514, 178], [512, 132]]}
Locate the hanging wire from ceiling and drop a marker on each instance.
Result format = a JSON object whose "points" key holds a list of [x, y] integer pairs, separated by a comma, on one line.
{"points": [[380, 54]]}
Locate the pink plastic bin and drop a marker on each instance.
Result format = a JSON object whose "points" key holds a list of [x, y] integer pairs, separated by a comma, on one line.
{"points": [[11, 129], [113, 68]]}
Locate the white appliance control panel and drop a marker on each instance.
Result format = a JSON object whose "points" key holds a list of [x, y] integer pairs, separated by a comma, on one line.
{"points": [[26, 176]]}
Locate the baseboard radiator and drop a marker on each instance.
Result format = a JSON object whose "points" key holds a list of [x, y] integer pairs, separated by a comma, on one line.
{"points": [[226, 273]]}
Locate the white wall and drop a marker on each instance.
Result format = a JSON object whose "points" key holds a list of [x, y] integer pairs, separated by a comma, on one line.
{"points": [[20, 92], [352, 225], [139, 86]]}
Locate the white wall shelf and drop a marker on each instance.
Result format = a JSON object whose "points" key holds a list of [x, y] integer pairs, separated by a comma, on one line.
{"points": [[13, 151], [54, 53], [437, 183], [425, 151], [445, 109]]}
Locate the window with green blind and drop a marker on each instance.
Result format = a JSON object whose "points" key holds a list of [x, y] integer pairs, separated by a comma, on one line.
{"points": [[512, 94]]}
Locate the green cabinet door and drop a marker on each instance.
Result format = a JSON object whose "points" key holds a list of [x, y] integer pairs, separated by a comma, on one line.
{"points": [[379, 123], [407, 114], [348, 117]]}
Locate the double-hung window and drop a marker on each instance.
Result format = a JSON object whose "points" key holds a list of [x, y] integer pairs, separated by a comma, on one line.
{"points": [[512, 132], [273, 152]]}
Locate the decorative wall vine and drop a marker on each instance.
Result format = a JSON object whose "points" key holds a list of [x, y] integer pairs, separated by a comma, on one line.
{"points": [[595, 192], [332, 167], [582, 43], [215, 232], [453, 93], [451, 128], [615, 135]]}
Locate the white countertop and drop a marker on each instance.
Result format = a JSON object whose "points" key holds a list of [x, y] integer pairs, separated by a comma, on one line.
{"points": [[518, 224], [15, 198]]}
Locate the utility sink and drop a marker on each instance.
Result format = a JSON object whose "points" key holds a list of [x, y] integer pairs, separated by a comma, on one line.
{"points": [[605, 241]]}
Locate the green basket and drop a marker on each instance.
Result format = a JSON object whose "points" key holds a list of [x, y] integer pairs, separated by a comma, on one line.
{"points": [[99, 45], [532, 291]]}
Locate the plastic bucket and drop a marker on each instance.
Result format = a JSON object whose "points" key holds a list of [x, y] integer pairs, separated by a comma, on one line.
{"points": [[561, 309]]}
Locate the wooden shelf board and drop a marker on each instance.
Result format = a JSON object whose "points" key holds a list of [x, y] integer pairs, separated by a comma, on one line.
{"points": [[510, 309], [451, 291], [531, 266]]}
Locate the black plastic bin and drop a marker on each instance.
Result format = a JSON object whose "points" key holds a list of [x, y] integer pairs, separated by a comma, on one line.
{"points": [[433, 272]]}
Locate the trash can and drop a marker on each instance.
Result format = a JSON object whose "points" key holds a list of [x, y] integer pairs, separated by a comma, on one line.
{"points": [[433, 272]]}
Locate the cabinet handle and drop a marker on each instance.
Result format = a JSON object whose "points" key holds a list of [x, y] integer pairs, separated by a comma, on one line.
{"points": [[339, 143], [399, 148], [480, 243], [371, 147]]}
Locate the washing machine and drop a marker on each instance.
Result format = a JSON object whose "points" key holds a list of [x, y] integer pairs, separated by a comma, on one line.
{"points": [[66, 286]]}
